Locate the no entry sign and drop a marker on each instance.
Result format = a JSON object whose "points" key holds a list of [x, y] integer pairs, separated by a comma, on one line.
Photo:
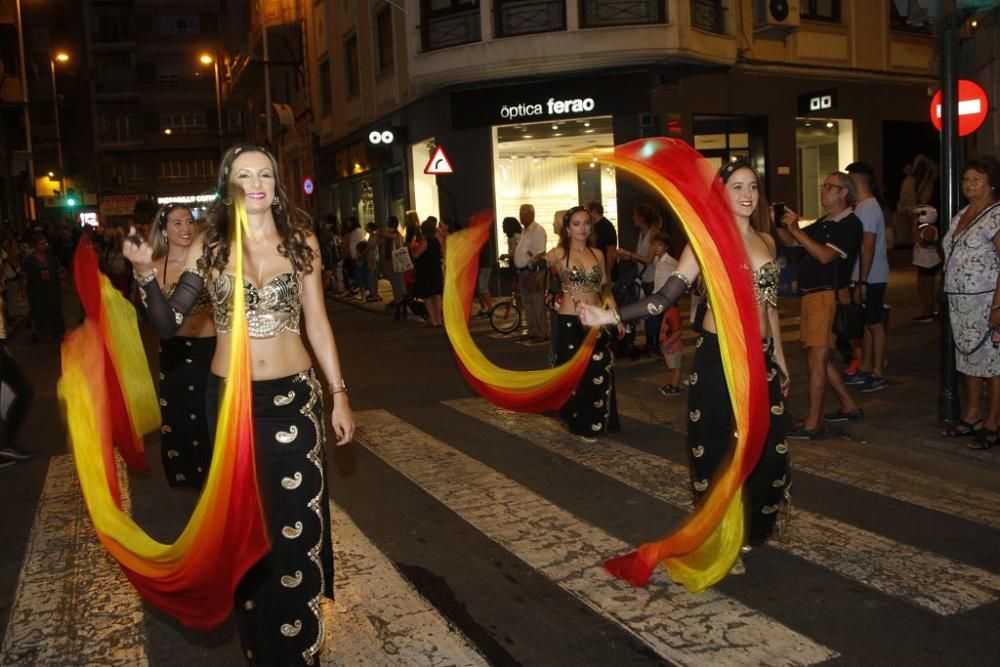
{"points": [[972, 107]]}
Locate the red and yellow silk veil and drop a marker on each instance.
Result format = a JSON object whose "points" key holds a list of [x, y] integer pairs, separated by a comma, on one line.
{"points": [[109, 400], [701, 551]]}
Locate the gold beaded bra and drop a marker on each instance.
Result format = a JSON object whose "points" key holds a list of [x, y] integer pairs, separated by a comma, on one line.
{"points": [[271, 310], [765, 283], [579, 279]]}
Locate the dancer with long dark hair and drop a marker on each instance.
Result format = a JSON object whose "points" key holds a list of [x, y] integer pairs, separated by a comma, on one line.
{"points": [[278, 600]]}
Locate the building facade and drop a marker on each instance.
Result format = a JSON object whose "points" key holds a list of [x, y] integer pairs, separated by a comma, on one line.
{"points": [[525, 96], [154, 105]]}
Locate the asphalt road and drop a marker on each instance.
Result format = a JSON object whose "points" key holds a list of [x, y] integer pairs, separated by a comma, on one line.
{"points": [[466, 535]]}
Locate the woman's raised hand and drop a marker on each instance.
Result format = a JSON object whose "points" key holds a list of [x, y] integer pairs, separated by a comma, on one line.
{"points": [[593, 316], [138, 252]]}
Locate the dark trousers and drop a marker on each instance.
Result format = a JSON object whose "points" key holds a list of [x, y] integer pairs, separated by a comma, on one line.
{"points": [[651, 324], [15, 378]]}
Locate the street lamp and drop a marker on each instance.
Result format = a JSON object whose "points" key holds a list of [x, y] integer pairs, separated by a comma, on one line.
{"points": [[61, 57], [209, 59]]}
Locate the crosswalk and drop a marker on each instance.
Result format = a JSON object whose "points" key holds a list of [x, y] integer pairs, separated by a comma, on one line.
{"points": [[74, 606]]}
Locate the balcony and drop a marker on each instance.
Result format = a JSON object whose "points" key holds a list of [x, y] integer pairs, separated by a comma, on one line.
{"points": [[525, 17], [450, 27], [609, 13], [709, 15]]}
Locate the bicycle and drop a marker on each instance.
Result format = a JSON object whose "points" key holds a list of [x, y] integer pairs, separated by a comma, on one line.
{"points": [[505, 316]]}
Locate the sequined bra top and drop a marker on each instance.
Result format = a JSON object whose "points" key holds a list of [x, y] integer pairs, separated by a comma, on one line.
{"points": [[271, 310], [579, 279], [765, 283]]}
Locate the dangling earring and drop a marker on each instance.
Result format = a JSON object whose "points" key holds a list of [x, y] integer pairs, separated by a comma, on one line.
{"points": [[228, 201], [276, 202]]}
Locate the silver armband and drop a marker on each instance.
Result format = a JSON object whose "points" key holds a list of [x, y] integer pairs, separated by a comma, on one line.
{"points": [[142, 281], [682, 278]]}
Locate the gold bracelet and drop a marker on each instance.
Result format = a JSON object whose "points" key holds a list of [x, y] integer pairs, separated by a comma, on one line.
{"points": [[618, 317], [338, 388]]}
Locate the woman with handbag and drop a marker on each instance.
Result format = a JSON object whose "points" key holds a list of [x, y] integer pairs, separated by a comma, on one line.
{"points": [[710, 416], [972, 285], [392, 262]]}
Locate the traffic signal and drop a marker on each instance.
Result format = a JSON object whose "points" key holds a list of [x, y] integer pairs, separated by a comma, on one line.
{"points": [[71, 199]]}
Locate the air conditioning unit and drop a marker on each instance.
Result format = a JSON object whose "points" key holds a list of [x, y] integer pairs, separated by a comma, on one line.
{"points": [[773, 19]]}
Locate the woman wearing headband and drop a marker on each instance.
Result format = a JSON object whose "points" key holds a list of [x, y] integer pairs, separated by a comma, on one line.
{"points": [[185, 446], [710, 416], [278, 600]]}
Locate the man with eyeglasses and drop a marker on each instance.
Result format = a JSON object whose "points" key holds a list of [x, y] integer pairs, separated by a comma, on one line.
{"points": [[831, 247]]}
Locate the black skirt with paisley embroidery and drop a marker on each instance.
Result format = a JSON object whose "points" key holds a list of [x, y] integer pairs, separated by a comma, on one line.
{"points": [[710, 431], [185, 445], [593, 407], [278, 601]]}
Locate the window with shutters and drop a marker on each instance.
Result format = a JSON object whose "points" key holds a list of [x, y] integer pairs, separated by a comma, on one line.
{"points": [[603, 13], [186, 170], [118, 128], [709, 15], [386, 53], [352, 74], [445, 23], [185, 122], [177, 24], [120, 173], [177, 73]]}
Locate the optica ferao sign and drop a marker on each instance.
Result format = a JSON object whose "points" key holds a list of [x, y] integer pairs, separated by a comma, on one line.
{"points": [[552, 107]]}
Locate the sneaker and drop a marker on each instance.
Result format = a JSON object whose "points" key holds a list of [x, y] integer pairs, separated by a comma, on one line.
{"points": [[856, 380], [874, 383], [16, 454], [800, 432], [924, 318], [841, 416], [852, 368], [738, 568]]}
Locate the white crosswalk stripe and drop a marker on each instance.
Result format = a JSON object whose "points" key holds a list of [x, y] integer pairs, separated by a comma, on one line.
{"points": [[896, 569], [705, 629], [933, 493], [74, 606]]}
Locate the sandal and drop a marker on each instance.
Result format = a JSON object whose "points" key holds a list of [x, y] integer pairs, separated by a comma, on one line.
{"points": [[962, 428], [985, 439]]}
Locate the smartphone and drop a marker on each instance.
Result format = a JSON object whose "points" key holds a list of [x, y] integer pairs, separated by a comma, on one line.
{"points": [[779, 213]]}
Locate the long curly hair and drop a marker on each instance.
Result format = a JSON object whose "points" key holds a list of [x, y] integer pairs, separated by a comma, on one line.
{"points": [[293, 224]]}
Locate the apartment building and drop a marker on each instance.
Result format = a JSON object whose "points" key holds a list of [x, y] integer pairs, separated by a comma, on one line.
{"points": [[526, 95], [153, 101]]}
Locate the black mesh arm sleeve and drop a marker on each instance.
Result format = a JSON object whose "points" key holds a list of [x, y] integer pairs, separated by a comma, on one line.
{"points": [[658, 301], [166, 316]]}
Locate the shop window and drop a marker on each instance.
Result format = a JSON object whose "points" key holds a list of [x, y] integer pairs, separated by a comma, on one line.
{"points": [[604, 13], [553, 165], [525, 17], [820, 10], [445, 23], [351, 65], [386, 52], [723, 139], [325, 89], [823, 145], [709, 15]]}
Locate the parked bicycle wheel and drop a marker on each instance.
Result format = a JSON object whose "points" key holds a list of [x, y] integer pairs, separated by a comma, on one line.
{"points": [[505, 317]]}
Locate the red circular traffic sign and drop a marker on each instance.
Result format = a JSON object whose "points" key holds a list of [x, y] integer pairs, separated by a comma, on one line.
{"points": [[972, 107], [308, 186]]}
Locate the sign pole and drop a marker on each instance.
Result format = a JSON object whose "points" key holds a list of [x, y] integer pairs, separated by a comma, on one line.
{"points": [[948, 400]]}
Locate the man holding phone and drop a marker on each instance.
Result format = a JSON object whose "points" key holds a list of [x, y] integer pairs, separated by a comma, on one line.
{"points": [[831, 247]]}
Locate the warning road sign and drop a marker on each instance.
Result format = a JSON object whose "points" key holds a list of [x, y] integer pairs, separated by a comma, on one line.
{"points": [[438, 164]]}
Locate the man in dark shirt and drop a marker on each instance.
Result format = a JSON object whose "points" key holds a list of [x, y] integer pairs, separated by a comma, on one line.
{"points": [[831, 247], [605, 236]]}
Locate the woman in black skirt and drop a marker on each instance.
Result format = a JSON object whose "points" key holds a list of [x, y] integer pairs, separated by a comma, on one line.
{"points": [[592, 409], [185, 446], [710, 415], [278, 600]]}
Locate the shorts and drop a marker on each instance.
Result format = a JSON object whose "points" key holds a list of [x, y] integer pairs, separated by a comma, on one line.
{"points": [[875, 303], [483, 281], [816, 319], [928, 270], [673, 359]]}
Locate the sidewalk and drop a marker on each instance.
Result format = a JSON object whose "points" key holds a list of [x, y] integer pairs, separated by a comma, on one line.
{"points": [[904, 415]]}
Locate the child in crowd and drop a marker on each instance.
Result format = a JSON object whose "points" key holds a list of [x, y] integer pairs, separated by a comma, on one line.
{"points": [[671, 328]]}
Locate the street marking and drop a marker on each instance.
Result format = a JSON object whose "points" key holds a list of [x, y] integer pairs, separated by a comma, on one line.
{"points": [[73, 604], [704, 629], [378, 619], [934, 493], [924, 579]]}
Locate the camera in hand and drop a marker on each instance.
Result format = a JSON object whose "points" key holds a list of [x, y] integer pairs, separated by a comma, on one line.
{"points": [[779, 213]]}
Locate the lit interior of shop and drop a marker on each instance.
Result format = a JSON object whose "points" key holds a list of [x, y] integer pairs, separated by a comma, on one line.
{"points": [[553, 165], [823, 145]]}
